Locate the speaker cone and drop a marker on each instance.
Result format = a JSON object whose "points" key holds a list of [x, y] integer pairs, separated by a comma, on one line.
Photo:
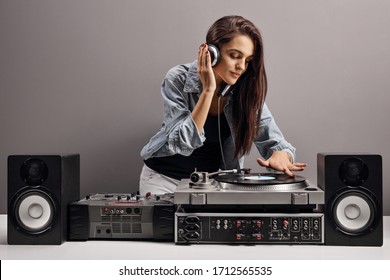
{"points": [[354, 212], [34, 211]]}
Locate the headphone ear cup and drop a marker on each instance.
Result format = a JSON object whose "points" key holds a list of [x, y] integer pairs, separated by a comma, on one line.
{"points": [[214, 54]]}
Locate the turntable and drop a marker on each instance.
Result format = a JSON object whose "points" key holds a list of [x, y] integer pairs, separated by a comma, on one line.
{"points": [[236, 206], [241, 187]]}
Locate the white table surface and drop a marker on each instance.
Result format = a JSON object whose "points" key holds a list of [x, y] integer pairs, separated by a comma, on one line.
{"points": [[149, 250]]}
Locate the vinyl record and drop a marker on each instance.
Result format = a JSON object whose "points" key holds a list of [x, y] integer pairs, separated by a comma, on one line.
{"points": [[259, 179]]}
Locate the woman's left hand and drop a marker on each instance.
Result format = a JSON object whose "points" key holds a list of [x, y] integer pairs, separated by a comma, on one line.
{"points": [[280, 160]]}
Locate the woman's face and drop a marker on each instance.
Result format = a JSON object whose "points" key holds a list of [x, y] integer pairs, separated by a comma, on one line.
{"points": [[235, 56]]}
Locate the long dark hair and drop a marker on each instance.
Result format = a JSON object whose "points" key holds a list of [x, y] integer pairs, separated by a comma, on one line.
{"points": [[251, 88]]}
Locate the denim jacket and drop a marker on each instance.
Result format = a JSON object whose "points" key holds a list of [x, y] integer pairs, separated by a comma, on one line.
{"points": [[181, 89]]}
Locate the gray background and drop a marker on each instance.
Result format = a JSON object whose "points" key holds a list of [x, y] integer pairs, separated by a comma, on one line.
{"points": [[84, 76]]}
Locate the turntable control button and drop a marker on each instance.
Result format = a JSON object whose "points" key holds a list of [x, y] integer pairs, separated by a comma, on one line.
{"points": [[225, 222], [218, 222], [217, 226], [225, 226]]}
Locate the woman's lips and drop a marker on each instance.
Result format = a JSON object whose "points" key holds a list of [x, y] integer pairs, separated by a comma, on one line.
{"points": [[235, 75]]}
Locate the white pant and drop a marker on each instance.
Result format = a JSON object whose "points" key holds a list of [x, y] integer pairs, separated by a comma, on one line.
{"points": [[155, 183]]}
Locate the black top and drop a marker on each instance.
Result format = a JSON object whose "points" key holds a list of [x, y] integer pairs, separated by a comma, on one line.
{"points": [[206, 158]]}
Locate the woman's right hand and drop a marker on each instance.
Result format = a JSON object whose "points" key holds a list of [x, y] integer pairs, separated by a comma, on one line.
{"points": [[207, 78], [205, 71]]}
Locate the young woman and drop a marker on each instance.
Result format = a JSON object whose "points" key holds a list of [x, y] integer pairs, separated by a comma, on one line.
{"points": [[208, 131]]}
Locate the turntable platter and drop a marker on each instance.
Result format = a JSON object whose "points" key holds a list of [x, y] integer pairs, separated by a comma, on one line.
{"points": [[261, 181]]}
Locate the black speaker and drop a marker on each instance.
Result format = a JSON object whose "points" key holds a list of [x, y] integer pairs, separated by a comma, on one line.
{"points": [[40, 187], [353, 198]]}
